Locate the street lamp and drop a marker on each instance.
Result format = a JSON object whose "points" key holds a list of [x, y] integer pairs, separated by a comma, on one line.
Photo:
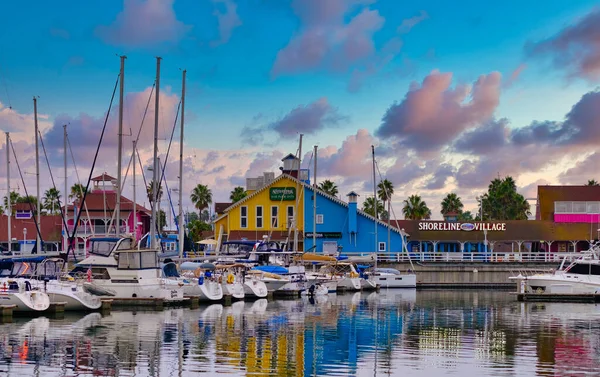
{"points": [[24, 239]]}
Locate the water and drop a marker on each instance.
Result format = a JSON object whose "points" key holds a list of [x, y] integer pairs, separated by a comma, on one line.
{"points": [[391, 333]]}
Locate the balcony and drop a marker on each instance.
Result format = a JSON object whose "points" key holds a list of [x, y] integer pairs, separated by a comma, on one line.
{"points": [[577, 212], [97, 230]]}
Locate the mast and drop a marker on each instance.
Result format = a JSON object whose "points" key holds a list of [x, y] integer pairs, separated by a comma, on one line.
{"points": [[297, 195], [65, 233], [37, 178], [181, 222], [315, 202], [120, 145], [135, 221], [8, 203], [375, 204], [155, 159]]}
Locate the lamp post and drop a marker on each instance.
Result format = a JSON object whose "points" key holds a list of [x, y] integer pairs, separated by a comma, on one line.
{"points": [[24, 239]]}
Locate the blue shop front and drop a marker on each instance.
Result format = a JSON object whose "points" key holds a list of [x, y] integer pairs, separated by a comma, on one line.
{"points": [[341, 226]]}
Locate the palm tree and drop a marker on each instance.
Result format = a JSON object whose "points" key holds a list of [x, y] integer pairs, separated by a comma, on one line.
{"points": [[150, 194], [451, 203], [385, 192], [416, 209], [201, 197], [466, 216], [329, 187], [369, 207], [14, 198], [52, 199], [592, 182], [237, 194], [77, 192]]}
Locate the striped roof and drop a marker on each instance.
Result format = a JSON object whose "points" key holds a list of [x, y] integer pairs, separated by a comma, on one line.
{"points": [[319, 191]]}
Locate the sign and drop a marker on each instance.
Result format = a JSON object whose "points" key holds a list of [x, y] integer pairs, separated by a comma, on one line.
{"points": [[282, 193], [467, 227], [324, 235]]}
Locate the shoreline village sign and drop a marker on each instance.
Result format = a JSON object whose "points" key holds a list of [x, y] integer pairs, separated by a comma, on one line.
{"points": [[444, 226], [282, 193]]}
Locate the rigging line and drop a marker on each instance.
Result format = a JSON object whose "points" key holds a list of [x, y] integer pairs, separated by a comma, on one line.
{"points": [[72, 236], [62, 213], [38, 247], [79, 181]]}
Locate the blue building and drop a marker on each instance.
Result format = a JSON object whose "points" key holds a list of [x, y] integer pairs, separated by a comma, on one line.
{"points": [[341, 226]]}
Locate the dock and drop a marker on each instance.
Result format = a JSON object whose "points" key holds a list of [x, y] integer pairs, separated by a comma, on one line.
{"points": [[558, 297]]}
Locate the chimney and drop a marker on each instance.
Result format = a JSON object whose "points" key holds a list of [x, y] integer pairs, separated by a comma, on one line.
{"points": [[352, 208]]}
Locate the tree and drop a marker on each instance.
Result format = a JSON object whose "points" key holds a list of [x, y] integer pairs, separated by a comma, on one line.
{"points": [[465, 216], [237, 194], [189, 217], [369, 208], [201, 197], [592, 182], [162, 220], [416, 209], [328, 187], [452, 203], [150, 194], [195, 229], [51, 200], [502, 202], [14, 199], [77, 192], [385, 192]]}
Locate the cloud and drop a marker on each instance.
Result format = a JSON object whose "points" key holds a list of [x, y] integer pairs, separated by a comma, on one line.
{"points": [[576, 48], [144, 23], [433, 114], [227, 19], [325, 39], [488, 137], [409, 23], [18, 124], [531, 190], [307, 119], [352, 160], [514, 76], [440, 177], [582, 171]]}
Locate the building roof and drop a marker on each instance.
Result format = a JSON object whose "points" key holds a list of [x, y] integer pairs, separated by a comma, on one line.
{"points": [[289, 157], [221, 207], [103, 177], [300, 183], [94, 202], [547, 195], [23, 206], [51, 228], [352, 193]]}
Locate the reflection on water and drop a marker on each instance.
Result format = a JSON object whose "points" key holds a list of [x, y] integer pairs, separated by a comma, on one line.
{"points": [[392, 333]]}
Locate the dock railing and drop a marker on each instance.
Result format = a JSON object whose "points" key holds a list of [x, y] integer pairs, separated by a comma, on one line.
{"points": [[457, 257]]}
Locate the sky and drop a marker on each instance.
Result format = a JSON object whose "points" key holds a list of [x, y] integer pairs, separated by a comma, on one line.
{"points": [[451, 96]]}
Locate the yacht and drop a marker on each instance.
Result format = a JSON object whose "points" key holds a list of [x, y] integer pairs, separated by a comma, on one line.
{"points": [[19, 292], [580, 276], [119, 270], [198, 279], [392, 278], [232, 280]]}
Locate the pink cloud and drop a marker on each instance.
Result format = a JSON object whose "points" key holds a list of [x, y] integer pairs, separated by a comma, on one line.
{"points": [[228, 20], [514, 76], [352, 160], [144, 23], [432, 114]]}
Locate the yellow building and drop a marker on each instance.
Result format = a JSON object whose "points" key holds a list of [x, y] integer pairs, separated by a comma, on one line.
{"points": [[275, 210]]}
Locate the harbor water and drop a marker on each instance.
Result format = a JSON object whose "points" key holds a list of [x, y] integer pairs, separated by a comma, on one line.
{"points": [[391, 333]]}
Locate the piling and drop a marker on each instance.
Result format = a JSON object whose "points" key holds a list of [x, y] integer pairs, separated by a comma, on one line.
{"points": [[227, 300], [6, 313], [194, 301], [57, 307]]}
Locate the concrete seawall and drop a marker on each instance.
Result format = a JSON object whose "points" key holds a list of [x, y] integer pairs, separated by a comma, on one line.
{"points": [[469, 275]]}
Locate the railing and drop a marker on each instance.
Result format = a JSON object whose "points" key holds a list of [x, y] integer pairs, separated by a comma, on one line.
{"points": [[452, 257], [97, 229]]}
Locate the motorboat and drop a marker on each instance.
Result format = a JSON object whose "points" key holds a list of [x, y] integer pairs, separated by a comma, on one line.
{"points": [[344, 274], [20, 292], [114, 265], [198, 280], [316, 289], [273, 282], [392, 278], [581, 276]]}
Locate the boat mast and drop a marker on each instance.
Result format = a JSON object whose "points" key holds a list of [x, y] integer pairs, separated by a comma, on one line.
{"points": [[314, 235], [120, 145], [8, 196], [135, 221], [155, 159], [375, 204], [181, 223], [66, 232], [297, 195], [37, 176]]}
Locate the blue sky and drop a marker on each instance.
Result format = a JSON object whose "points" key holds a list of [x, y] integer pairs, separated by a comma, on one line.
{"points": [[66, 52]]}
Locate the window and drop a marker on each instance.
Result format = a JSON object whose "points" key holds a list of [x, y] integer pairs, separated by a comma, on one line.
{"points": [[243, 217], [319, 219], [259, 216], [382, 246], [329, 247], [290, 216], [274, 216], [129, 261], [149, 260]]}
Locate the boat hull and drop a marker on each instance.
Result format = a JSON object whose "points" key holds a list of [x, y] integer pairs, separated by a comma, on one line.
{"points": [[255, 289], [150, 288], [235, 290], [559, 284], [395, 281], [207, 291], [30, 301]]}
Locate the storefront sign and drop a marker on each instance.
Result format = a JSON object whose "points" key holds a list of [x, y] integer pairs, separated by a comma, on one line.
{"points": [[282, 193], [445, 226], [324, 235]]}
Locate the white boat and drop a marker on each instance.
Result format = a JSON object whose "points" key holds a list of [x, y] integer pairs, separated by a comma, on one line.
{"points": [[581, 276], [231, 279], [344, 274], [197, 279], [131, 273], [255, 288], [273, 282], [19, 292], [316, 289], [392, 278]]}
